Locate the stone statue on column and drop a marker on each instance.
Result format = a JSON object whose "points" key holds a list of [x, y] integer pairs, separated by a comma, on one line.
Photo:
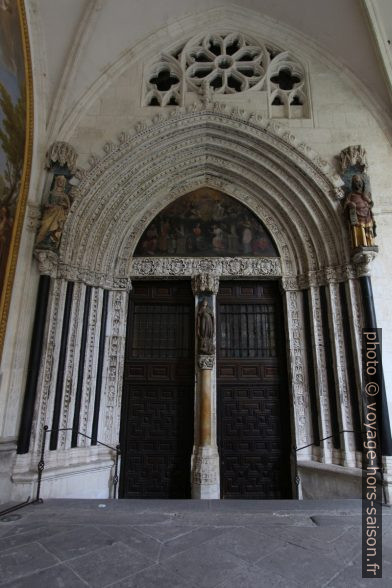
{"points": [[358, 206], [61, 162], [205, 329]]}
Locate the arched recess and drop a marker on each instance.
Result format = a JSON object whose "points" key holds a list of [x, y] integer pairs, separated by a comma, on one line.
{"points": [[287, 186]]}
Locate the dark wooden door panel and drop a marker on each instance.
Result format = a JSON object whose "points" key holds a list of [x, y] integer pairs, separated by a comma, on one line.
{"points": [[253, 421], [157, 424]]}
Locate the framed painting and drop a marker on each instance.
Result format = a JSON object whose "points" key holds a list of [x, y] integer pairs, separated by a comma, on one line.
{"points": [[16, 136]]}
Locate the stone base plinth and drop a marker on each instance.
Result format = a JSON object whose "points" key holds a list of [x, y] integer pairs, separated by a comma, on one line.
{"points": [[205, 473]]}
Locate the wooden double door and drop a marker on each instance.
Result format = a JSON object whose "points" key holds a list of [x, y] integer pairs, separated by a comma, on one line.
{"points": [[157, 432]]}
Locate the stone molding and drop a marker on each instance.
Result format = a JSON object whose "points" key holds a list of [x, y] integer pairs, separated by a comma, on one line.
{"points": [[205, 271]]}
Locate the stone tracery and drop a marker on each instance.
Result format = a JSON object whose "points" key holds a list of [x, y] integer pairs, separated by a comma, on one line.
{"points": [[229, 63]]}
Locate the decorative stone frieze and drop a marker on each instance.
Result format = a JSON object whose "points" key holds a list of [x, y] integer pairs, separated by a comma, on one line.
{"points": [[214, 267]]}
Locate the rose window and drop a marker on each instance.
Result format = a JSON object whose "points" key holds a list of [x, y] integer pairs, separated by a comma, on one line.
{"points": [[228, 64], [222, 64]]}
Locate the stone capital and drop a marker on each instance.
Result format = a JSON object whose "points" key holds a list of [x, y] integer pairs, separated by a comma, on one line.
{"points": [[206, 362], [362, 257], [205, 283]]}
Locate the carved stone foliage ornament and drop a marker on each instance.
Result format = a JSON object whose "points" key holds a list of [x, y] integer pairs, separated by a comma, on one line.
{"points": [[218, 63], [63, 154], [187, 266], [353, 156], [205, 329]]}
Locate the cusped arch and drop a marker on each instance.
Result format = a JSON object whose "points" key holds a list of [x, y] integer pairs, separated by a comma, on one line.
{"points": [[281, 180]]}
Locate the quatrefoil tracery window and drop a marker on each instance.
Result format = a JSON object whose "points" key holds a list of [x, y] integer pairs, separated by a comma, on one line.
{"points": [[229, 63]]}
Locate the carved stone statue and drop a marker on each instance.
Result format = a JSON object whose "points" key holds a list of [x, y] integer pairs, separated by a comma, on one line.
{"points": [[205, 329], [54, 215], [359, 209]]}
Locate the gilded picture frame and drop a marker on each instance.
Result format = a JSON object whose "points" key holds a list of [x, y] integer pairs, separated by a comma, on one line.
{"points": [[15, 72]]}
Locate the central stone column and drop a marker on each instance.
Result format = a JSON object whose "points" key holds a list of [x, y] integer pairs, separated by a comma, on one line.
{"points": [[205, 457]]}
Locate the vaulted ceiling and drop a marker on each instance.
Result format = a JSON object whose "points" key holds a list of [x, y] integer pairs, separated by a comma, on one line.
{"points": [[78, 40]]}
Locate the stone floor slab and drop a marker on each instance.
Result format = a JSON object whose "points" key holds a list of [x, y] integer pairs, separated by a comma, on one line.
{"points": [[108, 565], [166, 531], [300, 564], [246, 544], [253, 577], [32, 535], [21, 561], [154, 577], [133, 538], [192, 539], [77, 542], [205, 566], [59, 576], [188, 544], [352, 576]]}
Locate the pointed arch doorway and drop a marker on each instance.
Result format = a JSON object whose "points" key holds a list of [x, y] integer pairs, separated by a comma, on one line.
{"points": [[165, 414]]}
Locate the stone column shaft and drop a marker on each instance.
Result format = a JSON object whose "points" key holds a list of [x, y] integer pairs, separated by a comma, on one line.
{"points": [[205, 458]]}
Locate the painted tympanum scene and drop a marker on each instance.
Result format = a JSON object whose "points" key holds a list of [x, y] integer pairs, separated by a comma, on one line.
{"points": [[206, 223]]}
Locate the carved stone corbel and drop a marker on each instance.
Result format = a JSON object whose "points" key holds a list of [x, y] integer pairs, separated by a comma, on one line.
{"points": [[362, 258], [63, 154], [352, 156], [205, 283], [47, 262]]}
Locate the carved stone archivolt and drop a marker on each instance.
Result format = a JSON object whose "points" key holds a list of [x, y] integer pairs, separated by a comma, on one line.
{"points": [[123, 191]]}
